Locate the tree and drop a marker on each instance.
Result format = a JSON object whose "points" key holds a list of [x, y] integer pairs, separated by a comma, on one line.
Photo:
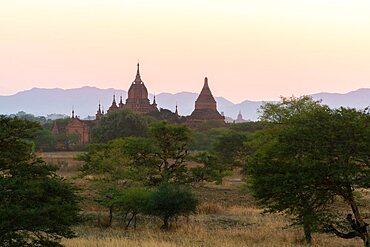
{"points": [[119, 124], [308, 155], [211, 168], [167, 115], [230, 148], [37, 207], [15, 141], [130, 202], [45, 140], [170, 201]]}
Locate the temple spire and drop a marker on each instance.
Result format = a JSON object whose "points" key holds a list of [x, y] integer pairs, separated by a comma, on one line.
{"points": [[176, 112], [120, 105], [138, 77], [205, 82]]}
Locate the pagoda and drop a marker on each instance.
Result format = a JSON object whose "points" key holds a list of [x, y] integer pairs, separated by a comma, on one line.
{"points": [[205, 109], [137, 99]]}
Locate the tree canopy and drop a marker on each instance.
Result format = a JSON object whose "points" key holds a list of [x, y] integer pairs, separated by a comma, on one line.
{"points": [[37, 207], [119, 124], [309, 155]]}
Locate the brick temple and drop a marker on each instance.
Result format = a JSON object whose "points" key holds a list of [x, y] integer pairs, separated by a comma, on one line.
{"points": [[205, 109], [138, 101], [137, 98]]}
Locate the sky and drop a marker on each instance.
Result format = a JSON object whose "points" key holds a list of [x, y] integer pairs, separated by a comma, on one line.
{"points": [[248, 49]]}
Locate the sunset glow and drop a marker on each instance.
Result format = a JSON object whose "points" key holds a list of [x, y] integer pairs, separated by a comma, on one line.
{"points": [[249, 49]]}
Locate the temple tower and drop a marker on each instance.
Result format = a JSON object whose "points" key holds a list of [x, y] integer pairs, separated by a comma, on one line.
{"points": [[114, 106], [205, 108], [137, 99]]}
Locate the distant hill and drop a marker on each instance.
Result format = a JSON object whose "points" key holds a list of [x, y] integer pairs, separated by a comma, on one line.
{"points": [[85, 100]]}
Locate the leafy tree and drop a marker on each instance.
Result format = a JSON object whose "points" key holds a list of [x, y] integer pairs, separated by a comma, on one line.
{"points": [[211, 168], [247, 127], [16, 136], [37, 207], [230, 148], [307, 156], [45, 140], [205, 140], [167, 115], [170, 201], [130, 202], [211, 124], [119, 124]]}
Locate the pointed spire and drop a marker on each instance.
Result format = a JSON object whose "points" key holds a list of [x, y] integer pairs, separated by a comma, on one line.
{"points": [[98, 113], [73, 112], [176, 112], [114, 106], [154, 102], [120, 105], [205, 82], [138, 77]]}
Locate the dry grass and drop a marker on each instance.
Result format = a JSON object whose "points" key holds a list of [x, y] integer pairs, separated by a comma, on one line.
{"points": [[65, 161], [258, 230], [226, 217]]}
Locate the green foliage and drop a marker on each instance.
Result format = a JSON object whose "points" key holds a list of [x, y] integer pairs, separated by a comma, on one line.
{"points": [[170, 201], [212, 169], [45, 140], [119, 124], [306, 156], [211, 124], [37, 207], [167, 115], [230, 148], [130, 202], [151, 160], [204, 140], [247, 127], [110, 161], [16, 136]]}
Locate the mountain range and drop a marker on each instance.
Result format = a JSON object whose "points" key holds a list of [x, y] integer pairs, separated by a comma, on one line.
{"points": [[85, 100]]}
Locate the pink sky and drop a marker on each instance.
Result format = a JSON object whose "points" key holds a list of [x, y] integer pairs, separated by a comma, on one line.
{"points": [[249, 49]]}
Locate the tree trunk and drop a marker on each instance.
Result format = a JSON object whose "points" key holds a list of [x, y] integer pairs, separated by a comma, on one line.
{"points": [[361, 226], [307, 232], [135, 222], [165, 223], [110, 215], [129, 221]]}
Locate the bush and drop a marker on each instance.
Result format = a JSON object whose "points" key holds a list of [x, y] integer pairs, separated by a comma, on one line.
{"points": [[130, 202], [170, 201]]}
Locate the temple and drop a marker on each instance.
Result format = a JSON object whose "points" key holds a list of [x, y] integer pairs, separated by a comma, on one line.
{"points": [[239, 118], [205, 108], [80, 128], [137, 99]]}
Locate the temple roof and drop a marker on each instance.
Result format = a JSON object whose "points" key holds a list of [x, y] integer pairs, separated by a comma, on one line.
{"points": [[205, 99], [137, 89], [138, 77]]}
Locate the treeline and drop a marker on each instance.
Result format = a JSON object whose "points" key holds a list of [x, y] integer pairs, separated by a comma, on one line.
{"points": [[299, 159]]}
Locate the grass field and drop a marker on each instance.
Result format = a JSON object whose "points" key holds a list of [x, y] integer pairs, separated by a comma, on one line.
{"points": [[227, 217]]}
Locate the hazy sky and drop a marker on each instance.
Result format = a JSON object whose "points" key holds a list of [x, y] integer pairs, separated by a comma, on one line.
{"points": [[249, 49]]}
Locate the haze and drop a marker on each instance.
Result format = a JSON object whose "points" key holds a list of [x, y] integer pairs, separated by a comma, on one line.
{"points": [[248, 49]]}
